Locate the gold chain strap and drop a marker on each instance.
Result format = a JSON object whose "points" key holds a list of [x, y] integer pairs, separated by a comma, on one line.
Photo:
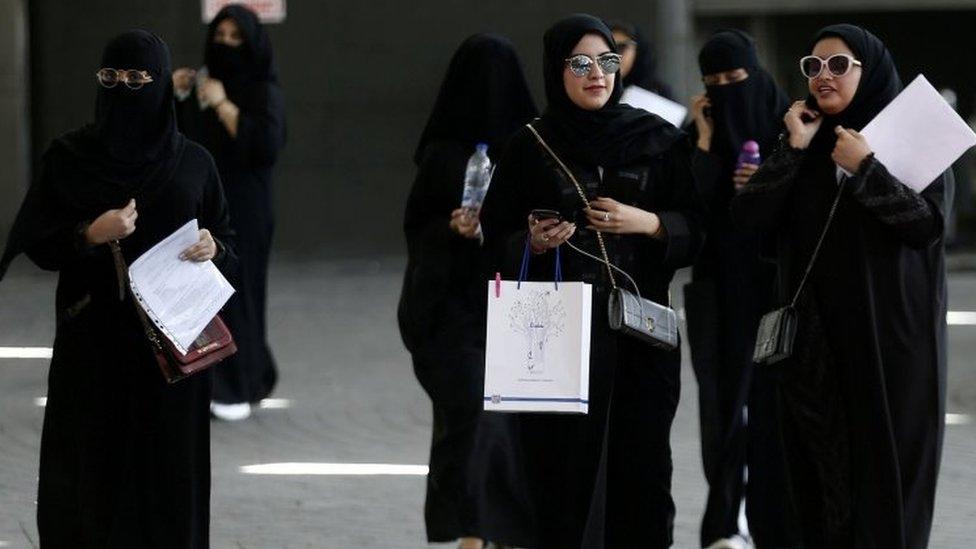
{"points": [[582, 195]]}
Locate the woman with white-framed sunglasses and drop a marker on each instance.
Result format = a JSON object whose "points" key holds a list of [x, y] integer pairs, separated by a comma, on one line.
{"points": [[863, 394]]}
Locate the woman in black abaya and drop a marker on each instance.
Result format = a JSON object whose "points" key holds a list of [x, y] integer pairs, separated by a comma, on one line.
{"points": [[638, 65], [125, 458], [238, 115], [602, 479], [730, 290], [863, 397], [474, 489]]}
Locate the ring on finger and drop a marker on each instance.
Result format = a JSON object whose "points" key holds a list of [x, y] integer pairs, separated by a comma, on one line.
{"points": [[606, 217], [545, 237]]}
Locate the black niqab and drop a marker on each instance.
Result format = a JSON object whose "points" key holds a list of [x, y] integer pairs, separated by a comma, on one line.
{"points": [[614, 135], [237, 67], [748, 110], [644, 71], [131, 150], [879, 83], [484, 97]]}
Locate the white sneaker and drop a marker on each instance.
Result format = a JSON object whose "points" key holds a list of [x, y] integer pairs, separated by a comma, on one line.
{"points": [[735, 542], [230, 412]]}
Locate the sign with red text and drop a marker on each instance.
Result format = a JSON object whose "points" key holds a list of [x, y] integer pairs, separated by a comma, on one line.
{"points": [[269, 11]]}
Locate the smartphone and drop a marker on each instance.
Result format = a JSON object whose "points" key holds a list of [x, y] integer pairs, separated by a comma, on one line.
{"points": [[542, 215]]}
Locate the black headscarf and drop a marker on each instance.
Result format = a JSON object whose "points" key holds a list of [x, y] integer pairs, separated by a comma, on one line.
{"points": [[237, 67], [644, 72], [484, 97], [879, 83], [131, 150], [752, 109], [614, 135]]}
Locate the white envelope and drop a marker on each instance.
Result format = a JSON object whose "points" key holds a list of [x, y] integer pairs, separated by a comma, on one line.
{"points": [[918, 136], [635, 96]]}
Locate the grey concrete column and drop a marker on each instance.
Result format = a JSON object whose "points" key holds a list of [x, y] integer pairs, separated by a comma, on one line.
{"points": [[674, 35], [14, 118]]}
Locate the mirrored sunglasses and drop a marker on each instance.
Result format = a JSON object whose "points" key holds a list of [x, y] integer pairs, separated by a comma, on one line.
{"points": [[581, 64]]}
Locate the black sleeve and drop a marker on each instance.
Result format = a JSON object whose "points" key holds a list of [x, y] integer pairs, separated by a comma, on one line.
{"points": [[52, 244], [261, 126], [683, 217], [214, 215], [516, 189], [917, 219], [707, 170], [761, 203]]}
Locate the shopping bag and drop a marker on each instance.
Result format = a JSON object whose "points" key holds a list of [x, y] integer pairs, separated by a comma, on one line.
{"points": [[537, 356]]}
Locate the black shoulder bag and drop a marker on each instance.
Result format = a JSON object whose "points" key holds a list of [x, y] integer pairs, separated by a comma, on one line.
{"points": [[777, 329]]}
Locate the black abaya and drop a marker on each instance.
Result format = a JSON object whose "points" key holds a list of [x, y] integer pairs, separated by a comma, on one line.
{"points": [[863, 398], [125, 458], [601, 479], [729, 292], [246, 163], [476, 485]]}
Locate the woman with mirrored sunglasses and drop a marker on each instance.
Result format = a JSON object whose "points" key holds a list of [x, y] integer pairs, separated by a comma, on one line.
{"points": [[863, 396], [237, 112], [473, 491], [729, 292], [601, 479], [125, 457]]}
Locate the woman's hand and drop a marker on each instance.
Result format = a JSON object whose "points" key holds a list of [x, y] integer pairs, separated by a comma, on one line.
{"points": [[464, 222], [113, 225], [609, 216], [703, 123], [743, 174], [851, 149], [183, 79], [549, 233], [801, 133], [212, 93], [204, 250]]}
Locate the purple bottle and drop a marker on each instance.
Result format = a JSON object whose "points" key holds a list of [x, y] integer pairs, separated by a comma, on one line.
{"points": [[749, 154]]}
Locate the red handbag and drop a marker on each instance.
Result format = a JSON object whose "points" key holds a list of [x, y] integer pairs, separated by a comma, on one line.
{"points": [[214, 344]]}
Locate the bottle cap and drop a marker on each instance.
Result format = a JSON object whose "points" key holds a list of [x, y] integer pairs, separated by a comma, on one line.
{"points": [[481, 147], [750, 147]]}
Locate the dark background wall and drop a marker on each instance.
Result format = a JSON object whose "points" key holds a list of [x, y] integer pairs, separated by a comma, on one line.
{"points": [[359, 79]]}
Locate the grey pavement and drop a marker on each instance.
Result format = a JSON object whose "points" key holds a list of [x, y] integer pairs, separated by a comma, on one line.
{"points": [[354, 400]]}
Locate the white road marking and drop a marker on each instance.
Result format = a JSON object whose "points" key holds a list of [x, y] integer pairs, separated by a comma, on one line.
{"points": [[26, 352], [275, 403], [335, 469]]}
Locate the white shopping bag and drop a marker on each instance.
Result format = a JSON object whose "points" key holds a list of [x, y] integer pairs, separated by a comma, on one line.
{"points": [[537, 357]]}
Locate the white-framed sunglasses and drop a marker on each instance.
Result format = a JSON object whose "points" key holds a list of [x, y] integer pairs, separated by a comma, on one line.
{"points": [[837, 65], [581, 64]]}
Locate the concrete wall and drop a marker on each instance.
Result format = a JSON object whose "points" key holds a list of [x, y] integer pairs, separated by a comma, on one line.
{"points": [[14, 125], [359, 79]]}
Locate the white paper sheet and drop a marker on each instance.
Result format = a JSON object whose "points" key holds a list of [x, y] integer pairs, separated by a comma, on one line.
{"points": [[635, 96], [181, 297], [918, 135]]}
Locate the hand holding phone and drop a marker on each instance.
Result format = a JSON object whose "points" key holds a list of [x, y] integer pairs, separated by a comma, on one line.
{"points": [[802, 122]]}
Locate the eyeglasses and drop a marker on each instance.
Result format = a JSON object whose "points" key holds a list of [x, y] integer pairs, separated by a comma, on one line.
{"points": [[133, 79], [581, 64], [837, 65]]}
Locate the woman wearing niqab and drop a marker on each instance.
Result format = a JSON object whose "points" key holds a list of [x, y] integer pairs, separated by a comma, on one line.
{"points": [[125, 457], [242, 124]]}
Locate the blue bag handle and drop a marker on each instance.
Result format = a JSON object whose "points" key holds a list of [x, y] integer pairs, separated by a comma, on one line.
{"points": [[524, 269]]}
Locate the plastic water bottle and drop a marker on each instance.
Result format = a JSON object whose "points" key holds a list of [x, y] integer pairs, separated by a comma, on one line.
{"points": [[476, 178], [749, 154]]}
